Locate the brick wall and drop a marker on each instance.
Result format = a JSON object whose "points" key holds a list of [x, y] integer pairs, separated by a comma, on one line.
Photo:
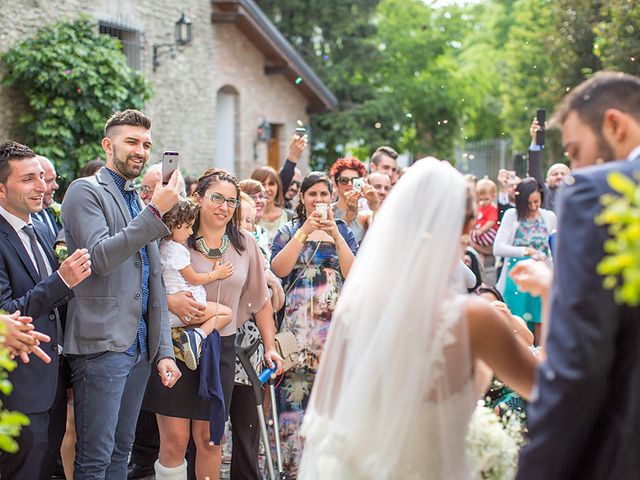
{"points": [[183, 109]]}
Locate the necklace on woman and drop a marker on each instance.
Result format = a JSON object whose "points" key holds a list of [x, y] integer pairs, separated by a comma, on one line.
{"points": [[204, 249]]}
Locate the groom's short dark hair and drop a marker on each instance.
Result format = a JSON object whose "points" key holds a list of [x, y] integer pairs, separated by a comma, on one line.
{"points": [[594, 96], [130, 117]]}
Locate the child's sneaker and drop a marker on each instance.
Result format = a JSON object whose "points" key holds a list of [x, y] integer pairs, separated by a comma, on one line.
{"points": [[191, 345]]}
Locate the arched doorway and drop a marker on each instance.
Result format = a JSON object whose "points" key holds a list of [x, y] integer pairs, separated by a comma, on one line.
{"points": [[227, 129]]}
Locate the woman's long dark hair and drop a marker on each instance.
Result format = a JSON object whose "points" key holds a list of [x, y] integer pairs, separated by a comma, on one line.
{"points": [[208, 178], [309, 181], [524, 189]]}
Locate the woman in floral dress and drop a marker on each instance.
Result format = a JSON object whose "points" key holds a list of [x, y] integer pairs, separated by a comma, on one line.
{"points": [[313, 255]]}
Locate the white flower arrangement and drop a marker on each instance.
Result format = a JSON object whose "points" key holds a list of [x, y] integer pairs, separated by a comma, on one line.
{"points": [[493, 444]]}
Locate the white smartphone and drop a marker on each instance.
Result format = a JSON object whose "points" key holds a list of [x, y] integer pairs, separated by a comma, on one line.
{"points": [[358, 183], [170, 161], [322, 208]]}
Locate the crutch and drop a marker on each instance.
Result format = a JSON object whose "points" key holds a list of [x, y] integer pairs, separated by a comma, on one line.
{"points": [[244, 356]]}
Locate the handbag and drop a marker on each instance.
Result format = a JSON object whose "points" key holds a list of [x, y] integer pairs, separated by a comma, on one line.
{"points": [[288, 348], [286, 342]]}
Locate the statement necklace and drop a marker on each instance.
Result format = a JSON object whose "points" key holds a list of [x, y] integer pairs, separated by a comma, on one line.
{"points": [[204, 249]]}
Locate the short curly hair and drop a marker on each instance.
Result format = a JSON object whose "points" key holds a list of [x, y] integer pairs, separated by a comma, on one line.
{"points": [[347, 163], [183, 213], [11, 150]]}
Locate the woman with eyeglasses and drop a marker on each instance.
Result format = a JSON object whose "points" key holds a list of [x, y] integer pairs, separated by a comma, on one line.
{"points": [[274, 214], [255, 190], [313, 255], [349, 176], [216, 238]]}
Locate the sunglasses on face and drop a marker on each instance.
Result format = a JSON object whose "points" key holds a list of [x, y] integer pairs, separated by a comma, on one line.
{"points": [[345, 180], [220, 199]]}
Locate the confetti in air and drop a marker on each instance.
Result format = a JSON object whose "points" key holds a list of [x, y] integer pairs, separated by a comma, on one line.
{"points": [[298, 80]]}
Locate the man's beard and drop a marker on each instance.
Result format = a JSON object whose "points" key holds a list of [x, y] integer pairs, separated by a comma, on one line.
{"points": [[605, 151], [126, 170]]}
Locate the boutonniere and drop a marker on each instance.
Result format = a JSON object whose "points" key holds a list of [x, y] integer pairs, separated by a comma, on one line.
{"points": [[621, 264], [56, 209], [60, 251]]}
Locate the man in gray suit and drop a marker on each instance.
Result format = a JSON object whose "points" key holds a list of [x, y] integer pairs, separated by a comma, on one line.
{"points": [[584, 420], [117, 324]]}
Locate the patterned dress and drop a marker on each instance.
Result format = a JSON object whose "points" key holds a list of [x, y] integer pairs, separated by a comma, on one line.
{"points": [[311, 297], [534, 234]]}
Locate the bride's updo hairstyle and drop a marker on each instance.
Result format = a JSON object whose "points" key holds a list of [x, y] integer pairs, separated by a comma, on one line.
{"points": [[309, 181], [208, 178]]}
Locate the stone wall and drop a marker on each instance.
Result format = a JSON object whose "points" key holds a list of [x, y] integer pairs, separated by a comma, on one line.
{"points": [[183, 109]]}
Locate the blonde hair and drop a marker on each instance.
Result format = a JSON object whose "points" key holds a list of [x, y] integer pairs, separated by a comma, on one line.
{"points": [[244, 197], [484, 186]]}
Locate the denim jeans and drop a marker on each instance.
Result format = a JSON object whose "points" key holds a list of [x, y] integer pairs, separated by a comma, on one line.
{"points": [[108, 389]]}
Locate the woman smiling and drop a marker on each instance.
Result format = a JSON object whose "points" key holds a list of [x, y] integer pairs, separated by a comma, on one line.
{"points": [[313, 254]]}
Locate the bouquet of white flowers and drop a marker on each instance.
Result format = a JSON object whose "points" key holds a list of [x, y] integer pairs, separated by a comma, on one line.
{"points": [[493, 444]]}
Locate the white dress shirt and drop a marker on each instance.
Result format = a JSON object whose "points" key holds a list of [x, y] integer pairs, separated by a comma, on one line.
{"points": [[635, 153], [18, 225]]}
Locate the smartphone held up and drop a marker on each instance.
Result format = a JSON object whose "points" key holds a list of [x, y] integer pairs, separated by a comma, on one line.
{"points": [[170, 162], [322, 208], [301, 130], [541, 117]]}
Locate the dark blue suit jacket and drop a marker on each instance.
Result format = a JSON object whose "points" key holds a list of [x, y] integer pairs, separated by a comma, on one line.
{"points": [[584, 422], [34, 384]]}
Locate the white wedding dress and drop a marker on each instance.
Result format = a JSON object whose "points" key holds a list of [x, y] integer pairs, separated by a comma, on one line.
{"points": [[395, 389]]}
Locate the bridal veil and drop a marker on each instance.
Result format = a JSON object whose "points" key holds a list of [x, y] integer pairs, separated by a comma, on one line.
{"points": [[394, 391]]}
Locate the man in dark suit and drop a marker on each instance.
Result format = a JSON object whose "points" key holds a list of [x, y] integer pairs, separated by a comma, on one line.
{"points": [[29, 283], [584, 421], [46, 215]]}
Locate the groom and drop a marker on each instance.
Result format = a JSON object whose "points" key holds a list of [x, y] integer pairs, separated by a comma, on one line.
{"points": [[584, 422]]}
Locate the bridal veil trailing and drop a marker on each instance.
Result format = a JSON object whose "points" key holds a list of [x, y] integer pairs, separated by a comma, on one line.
{"points": [[395, 391]]}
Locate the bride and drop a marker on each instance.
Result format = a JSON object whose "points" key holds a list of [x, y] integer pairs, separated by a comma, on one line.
{"points": [[396, 385]]}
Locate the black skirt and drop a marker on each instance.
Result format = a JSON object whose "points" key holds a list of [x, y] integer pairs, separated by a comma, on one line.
{"points": [[183, 401]]}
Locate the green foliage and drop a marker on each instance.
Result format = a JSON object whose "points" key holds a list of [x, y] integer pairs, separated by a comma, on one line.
{"points": [[618, 40], [10, 422], [73, 79], [530, 82], [400, 67], [621, 266]]}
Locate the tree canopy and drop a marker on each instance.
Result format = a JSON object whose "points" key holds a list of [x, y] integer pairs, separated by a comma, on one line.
{"points": [[422, 77]]}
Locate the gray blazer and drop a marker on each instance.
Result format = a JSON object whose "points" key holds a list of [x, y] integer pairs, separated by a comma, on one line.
{"points": [[104, 314]]}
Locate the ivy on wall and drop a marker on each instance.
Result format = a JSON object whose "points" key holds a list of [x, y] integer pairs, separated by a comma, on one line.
{"points": [[73, 79]]}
